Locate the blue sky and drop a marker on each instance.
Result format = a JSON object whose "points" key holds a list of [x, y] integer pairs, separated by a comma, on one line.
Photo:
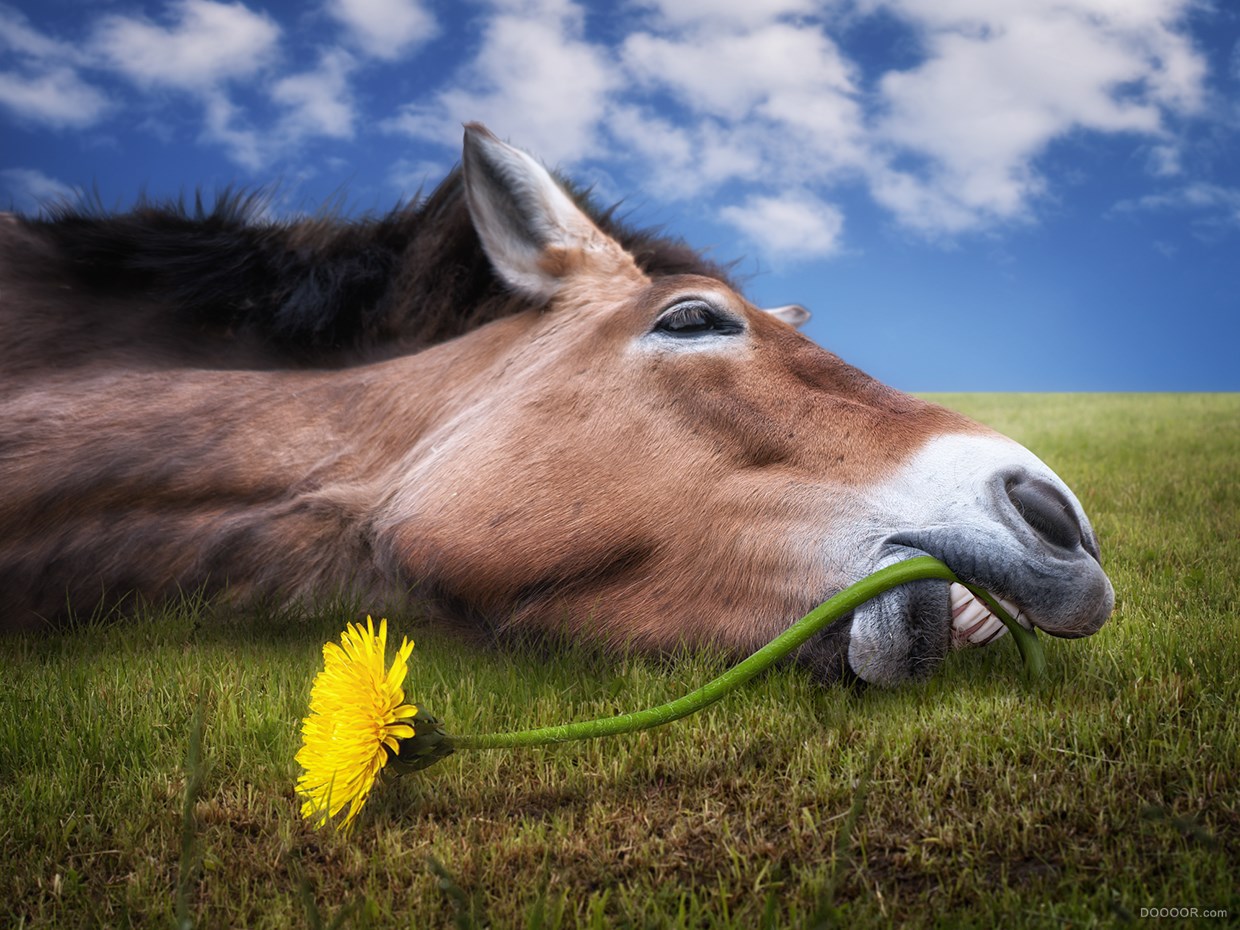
{"points": [[968, 194]]}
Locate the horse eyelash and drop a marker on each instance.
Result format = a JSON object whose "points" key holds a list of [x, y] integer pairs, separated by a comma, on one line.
{"points": [[712, 321]]}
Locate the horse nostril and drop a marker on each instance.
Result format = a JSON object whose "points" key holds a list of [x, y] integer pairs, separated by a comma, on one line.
{"points": [[1043, 507]]}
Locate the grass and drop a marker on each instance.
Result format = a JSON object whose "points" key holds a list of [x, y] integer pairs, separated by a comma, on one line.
{"points": [[146, 767]]}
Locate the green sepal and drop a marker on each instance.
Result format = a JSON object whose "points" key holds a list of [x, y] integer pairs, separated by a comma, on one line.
{"points": [[429, 744]]}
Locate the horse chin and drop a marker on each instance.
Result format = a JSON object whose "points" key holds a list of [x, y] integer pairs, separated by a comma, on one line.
{"points": [[904, 632]]}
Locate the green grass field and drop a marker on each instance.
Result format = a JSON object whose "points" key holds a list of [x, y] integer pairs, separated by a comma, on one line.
{"points": [[969, 800]]}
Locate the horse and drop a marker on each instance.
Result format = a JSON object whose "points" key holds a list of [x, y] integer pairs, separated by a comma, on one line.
{"points": [[498, 404]]}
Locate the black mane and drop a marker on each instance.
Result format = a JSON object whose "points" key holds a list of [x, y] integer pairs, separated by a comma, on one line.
{"points": [[316, 290]]}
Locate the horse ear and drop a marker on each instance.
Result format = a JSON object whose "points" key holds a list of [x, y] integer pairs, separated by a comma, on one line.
{"points": [[529, 227], [792, 314]]}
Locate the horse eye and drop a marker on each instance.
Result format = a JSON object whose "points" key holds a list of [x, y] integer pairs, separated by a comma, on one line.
{"points": [[695, 318]]}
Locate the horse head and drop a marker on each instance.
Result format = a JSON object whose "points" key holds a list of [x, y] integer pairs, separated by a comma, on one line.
{"points": [[654, 461]]}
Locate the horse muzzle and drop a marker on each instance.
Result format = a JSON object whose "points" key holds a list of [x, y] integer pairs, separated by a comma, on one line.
{"points": [[1001, 520]]}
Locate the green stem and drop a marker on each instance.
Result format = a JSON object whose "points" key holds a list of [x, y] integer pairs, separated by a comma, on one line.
{"points": [[915, 569], [1026, 640]]}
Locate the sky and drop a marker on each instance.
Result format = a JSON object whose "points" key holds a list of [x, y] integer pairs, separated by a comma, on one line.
{"points": [[969, 195]]}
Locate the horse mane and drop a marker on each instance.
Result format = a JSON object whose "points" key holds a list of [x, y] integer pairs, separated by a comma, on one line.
{"points": [[317, 290]]}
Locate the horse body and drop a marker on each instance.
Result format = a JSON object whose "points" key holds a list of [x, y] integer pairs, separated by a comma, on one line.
{"points": [[498, 403]]}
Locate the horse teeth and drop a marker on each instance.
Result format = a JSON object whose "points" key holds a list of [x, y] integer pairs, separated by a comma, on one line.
{"points": [[991, 630], [1016, 613], [972, 621]]}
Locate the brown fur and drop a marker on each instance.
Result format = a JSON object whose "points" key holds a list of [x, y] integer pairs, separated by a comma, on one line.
{"points": [[517, 466]]}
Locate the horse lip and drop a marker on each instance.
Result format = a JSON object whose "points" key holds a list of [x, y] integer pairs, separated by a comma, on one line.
{"points": [[916, 543]]}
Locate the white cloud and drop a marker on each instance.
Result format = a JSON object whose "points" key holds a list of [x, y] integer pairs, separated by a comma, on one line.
{"points": [[1215, 204], [1002, 81], [385, 28], [546, 10], [29, 189], [205, 44], [21, 38], [408, 177], [732, 74], [243, 145], [1164, 160], [654, 141], [320, 102], [744, 13], [56, 97], [1214, 195], [679, 161], [201, 48], [45, 87], [534, 79], [923, 205], [792, 225], [768, 99]]}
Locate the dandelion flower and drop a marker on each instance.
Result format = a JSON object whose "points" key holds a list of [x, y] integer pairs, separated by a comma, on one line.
{"points": [[357, 714]]}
